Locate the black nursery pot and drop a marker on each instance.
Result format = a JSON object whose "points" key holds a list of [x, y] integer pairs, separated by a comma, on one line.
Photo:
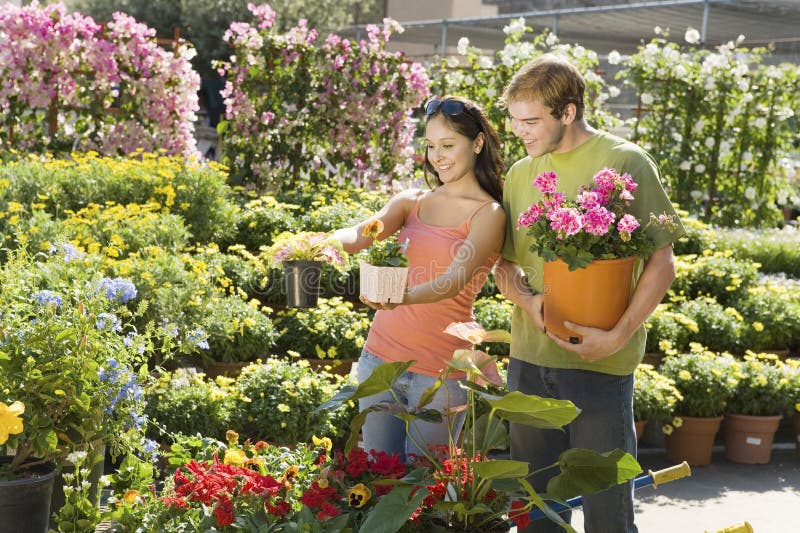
{"points": [[25, 502], [302, 282]]}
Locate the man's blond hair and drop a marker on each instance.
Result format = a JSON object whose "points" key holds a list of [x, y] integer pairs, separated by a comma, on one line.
{"points": [[551, 80]]}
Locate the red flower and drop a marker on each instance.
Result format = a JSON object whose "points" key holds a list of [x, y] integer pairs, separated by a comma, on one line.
{"points": [[279, 508], [358, 462], [316, 496], [224, 511], [328, 511], [519, 514]]}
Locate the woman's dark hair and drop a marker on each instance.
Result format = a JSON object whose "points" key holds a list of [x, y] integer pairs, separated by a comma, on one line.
{"points": [[469, 122]]}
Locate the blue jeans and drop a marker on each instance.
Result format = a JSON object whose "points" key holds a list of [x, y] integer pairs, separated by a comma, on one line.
{"points": [[605, 423], [385, 432]]}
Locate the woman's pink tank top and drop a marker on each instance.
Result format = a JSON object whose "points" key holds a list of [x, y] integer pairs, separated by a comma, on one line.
{"points": [[417, 331]]}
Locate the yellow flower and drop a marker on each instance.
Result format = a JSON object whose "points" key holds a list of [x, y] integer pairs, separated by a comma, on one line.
{"points": [[685, 375], [797, 407], [358, 496], [283, 408], [232, 437], [234, 457], [758, 326], [677, 422], [373, 228], [130, 496], [324, 441], [10, 420], [667, 429]]}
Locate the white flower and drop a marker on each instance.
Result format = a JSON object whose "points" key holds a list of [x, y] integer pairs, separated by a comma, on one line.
{"points": [[710, 142], [696, 195], [680, 71], [699, 168], [452, 62], [698, 126], [747, 156], [485, 62], [692, 36], [491, 92], [463, 46], [657, 30], [677, 137], [614, 57], [750, 193], [685, 165], [760, 122], [551, 39], [469, 80], [647, 98], [613, 91], [782, 197], [516, 26], [76, 457], [578, 50]]}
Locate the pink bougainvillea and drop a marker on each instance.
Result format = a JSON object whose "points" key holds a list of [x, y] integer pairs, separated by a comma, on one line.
{"points": [[299, 107], [70, 83]]}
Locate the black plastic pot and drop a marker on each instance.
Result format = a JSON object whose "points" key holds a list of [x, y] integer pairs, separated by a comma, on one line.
{"points": [[25, 502], [302, 282]]}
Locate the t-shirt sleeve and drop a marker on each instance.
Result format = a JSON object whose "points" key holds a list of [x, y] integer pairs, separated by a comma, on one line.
{"points": [[651, 198]]}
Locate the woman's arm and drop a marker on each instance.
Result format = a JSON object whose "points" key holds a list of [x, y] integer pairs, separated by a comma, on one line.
{"points": [[485, 237], [393, 215]]}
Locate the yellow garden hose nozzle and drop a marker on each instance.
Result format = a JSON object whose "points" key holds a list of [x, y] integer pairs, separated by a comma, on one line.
{"points": [[738, 528], [670, 474]]}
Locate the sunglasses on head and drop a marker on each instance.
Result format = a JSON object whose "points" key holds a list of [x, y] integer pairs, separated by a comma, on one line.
{"points": [[448, 107]]}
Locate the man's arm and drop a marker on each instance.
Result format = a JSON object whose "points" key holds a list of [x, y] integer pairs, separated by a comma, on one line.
{"points": [[656, 278], [511, 282]]}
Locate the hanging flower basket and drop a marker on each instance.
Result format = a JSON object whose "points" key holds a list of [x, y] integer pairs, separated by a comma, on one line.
{"points": [[382, 284]]}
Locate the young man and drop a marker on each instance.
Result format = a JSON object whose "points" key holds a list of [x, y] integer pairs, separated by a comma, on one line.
{"points": [[545, 101]]}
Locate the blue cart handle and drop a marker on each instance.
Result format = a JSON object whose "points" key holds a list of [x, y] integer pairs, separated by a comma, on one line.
{"points": [[652, 478]]}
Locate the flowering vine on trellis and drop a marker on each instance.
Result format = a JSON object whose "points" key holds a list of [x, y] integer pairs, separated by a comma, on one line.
{"points": [[299, 109], [71, 83], [719, 123]]}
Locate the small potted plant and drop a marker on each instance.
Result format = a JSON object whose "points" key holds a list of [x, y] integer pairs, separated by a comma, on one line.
{"points": [[302, 255], [384, 274], [756, 408], [655, 399], [589, 246], [792, 371], [706, 382]]}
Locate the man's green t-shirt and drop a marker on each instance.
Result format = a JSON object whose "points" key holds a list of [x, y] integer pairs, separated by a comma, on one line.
{"points": [[575, 168]]}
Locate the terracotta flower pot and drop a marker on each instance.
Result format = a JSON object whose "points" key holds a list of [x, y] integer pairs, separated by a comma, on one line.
{"points": [[748, 439], [594, 296], [693, 441], [382, 284], [640, 424]]}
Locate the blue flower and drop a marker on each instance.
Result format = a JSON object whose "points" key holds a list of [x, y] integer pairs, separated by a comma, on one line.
{"points": [[149, 446], [69, 251], [198, 337], [118, 289], [48, 298], [110, 319]]}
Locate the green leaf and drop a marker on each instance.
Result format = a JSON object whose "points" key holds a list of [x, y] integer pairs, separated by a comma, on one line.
{"points": [[501, 469], [587, 471], [426, 415], [4, 356], [393, 510], [429, 393], [535, 411], [497, 335], [379, 381]]}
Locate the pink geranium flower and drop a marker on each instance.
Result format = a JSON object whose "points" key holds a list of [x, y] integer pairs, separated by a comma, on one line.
{"points": [[582, 230]]}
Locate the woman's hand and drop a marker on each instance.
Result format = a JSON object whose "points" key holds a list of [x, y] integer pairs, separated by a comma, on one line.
{"points": [[377, 306]]}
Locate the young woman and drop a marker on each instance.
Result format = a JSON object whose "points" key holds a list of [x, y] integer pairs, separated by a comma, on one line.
{"points": [[455, 233]]}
